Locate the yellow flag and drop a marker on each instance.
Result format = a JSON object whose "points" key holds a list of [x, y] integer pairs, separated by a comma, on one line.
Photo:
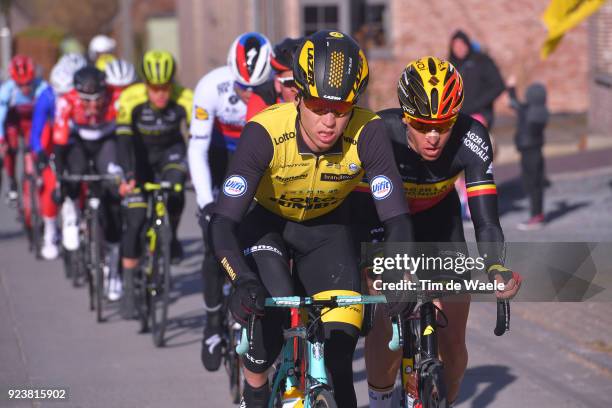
{"points": [[561, 16]]}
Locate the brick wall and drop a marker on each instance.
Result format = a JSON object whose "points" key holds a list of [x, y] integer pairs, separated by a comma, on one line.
{"points": [[600, 45], [510, 31]]}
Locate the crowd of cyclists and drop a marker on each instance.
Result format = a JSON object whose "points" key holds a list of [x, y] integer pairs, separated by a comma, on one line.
{"points": [[290, 176]]}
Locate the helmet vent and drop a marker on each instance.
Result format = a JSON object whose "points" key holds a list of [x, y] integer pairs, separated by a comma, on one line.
{"points": [[431, 64], [335, 71]]}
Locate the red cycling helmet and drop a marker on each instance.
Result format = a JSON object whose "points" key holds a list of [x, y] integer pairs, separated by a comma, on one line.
{"points": [[21, 69]]}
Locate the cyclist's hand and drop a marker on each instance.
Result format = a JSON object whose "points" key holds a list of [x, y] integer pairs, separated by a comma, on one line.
{"points": [[204, 215], [126, 187], [247, 299], [511, 280], [42, 161]]}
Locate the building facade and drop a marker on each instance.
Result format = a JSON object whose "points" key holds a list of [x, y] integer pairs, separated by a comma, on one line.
{"points": [[395, 31]]}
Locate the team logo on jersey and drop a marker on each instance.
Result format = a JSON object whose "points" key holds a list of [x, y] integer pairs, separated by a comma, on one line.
{"points": [[490, 169], [353, 167], [381, 187], [234, 186], [201, 113]]}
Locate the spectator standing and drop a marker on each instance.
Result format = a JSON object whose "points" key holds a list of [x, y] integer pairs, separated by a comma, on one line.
{"points": [[532, 118], [481, 78]]}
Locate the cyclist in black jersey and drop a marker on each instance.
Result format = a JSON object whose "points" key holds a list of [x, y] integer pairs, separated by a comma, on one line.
{"points": [[151, 130], [432, 145], [300, 161]]}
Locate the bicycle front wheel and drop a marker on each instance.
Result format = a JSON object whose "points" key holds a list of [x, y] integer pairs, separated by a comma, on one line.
{"points": [[433, 388], [160, 292], [324, 399], [96, 265], [233, 365]]}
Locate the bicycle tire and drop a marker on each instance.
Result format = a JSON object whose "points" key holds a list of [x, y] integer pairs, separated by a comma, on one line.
{"points": [[96, 265], [323, 398], [234, 368], [25, 208], [68, 264], [161, 291], [142, 298], [433, 388], [35, 219]]}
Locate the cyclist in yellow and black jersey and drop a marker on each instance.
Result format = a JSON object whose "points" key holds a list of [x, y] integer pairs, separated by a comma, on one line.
{"points": [[152, 128], [299, 161]]}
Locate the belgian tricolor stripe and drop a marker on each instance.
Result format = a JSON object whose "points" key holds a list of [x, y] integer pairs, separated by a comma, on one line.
{"points": [[481, 190]]}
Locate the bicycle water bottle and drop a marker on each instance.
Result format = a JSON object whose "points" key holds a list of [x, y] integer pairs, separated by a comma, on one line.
{"points": [[293, 398], [409, 380]]}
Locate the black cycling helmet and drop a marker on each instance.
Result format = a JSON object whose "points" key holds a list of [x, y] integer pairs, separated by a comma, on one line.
{"points": [[330, 65], [283, 53], [89, 81]]}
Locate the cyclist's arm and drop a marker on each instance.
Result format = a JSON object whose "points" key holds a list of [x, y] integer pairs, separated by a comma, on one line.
{"points": [[250, 161], [482, 198], [61, 124], [61, 131], [43, 111], [125, 138], [5, 97], [376, 154], [202, 119]]}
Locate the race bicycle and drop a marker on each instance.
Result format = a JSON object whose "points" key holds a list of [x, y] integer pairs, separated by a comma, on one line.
{"points": [[151, 289], [300, 378], [29, 205], [88, 260], [415, 332]]}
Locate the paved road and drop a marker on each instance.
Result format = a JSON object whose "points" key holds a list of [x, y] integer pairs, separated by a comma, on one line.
{"points": [[555, 355]]}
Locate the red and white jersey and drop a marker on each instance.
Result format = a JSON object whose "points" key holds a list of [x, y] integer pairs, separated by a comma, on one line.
{"points": [[72, 117]]}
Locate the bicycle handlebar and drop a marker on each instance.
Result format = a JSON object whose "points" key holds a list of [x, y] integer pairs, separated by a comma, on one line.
{"points": [[164, 185], [90, 177]]}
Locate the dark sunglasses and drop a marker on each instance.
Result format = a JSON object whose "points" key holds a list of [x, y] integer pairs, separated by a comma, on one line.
{"points": [[90, 97], [423, 127], [323, 106], [287, 82]]}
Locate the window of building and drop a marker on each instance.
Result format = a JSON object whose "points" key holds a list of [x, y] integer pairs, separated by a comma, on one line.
{"points": [[320, 17], [366, 20], [370, 21]]}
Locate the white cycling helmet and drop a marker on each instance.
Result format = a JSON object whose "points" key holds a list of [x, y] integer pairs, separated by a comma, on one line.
{"points": [[249, 59], [101, 44], [72, 61], [61, 78], [120, 73]]}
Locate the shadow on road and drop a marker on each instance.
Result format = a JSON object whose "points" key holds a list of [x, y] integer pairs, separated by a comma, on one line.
{"points": [[509, 192], [563, 208], [7, 235], [481, 384], [189, 323]]}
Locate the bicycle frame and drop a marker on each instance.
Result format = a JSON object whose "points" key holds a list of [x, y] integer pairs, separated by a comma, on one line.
{"points": [[291, 370]]}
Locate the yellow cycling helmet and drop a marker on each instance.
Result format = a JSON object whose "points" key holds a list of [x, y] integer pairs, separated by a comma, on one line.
{"points": [[158, 67], [430, 90], [331, 66], [103, 60]]}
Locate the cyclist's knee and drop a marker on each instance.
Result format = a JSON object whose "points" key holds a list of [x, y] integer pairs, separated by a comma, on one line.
{"points": [[266, 342]]}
